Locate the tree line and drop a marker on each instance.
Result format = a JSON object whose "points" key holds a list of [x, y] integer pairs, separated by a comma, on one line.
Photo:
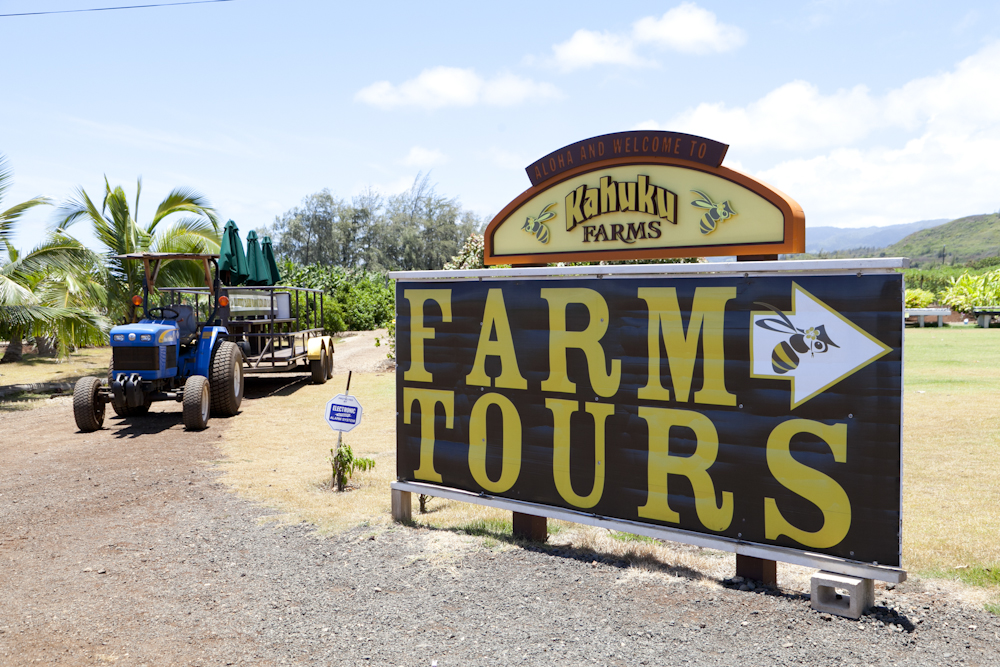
{"points": [[418, 229], [62, 294]]}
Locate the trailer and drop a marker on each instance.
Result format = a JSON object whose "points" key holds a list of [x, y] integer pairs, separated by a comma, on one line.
{"points": [[278, 328]]}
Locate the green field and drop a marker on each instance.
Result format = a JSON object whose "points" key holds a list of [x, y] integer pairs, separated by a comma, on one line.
{"points": [[951, 451]]}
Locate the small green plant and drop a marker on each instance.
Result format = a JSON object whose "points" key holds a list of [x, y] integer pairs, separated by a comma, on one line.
{"points": [[993, 608], [390, 339], [919, 298], [344, 465]]}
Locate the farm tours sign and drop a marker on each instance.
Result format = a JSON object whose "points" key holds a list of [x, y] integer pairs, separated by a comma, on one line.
{"points": [[641, 195], [762, 409]]}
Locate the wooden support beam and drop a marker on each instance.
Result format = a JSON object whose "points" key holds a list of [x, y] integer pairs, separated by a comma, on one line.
{"points": [[757, 569], [402, 506], [530, 527]]}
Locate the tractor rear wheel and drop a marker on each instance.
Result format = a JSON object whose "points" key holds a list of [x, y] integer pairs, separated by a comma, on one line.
{"points": [[227, 379], [125, 410], [197, 403], [88, 408], [320, 367]]}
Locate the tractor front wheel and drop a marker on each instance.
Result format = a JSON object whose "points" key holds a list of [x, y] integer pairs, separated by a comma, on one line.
{"points": [[197, 403], [227, 379], [88, 408]]}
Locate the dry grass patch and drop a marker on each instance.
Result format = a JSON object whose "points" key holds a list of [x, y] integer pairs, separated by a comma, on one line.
{"points": [[278, 452], [34, 369]]}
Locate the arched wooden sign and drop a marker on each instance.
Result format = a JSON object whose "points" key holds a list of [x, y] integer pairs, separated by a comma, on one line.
{"points": [[642, 195]]}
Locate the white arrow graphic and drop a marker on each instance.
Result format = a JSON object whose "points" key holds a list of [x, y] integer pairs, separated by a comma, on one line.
{"points": [[813, 346]]}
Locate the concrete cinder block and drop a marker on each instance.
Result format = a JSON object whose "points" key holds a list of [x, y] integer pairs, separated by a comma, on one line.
{"points": [[859, 599]]}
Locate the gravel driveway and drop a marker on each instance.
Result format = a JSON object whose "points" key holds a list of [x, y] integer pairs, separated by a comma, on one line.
{"points": [[119, 547]]}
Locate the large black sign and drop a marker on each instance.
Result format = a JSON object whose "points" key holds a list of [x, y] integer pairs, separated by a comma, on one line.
{"points": [[764, 409]]}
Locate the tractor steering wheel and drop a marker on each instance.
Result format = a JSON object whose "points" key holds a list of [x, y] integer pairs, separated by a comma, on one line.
{"points": [[165, 313]]}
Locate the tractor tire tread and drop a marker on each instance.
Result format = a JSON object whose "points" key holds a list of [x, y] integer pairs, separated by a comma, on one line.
{"points": [[88, 410], [228, 359]]}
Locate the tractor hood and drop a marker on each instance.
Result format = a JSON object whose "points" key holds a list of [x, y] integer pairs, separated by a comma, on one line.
{"points": [[144, 333]]}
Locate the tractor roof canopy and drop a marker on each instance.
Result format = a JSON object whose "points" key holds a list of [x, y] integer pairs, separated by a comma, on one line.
{"points": [[152, 261]]}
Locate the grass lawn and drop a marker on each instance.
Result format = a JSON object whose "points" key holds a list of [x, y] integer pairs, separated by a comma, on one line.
{"points": [[951, 453]]}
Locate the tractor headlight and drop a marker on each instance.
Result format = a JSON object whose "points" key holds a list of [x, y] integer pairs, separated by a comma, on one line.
{"points": [[119, 336], [145, 337]]}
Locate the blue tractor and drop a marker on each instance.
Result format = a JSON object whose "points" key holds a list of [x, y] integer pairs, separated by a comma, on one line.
{"points": [[168, 355]]}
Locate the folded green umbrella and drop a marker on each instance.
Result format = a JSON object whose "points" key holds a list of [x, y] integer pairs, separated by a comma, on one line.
{"points": [[272, 266], [232, 260], [256, 266]]}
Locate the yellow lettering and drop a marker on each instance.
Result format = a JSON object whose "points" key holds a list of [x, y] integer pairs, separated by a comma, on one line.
{"points": [[511, 466], [809, 483], [609, 195], [588, 340], [666, 203], [646, 193], [419, 333], [695, 467], [708, 312], [626, 196], [590, 208], [428, 400], [495, 316], [562, 410], [574, 201]]}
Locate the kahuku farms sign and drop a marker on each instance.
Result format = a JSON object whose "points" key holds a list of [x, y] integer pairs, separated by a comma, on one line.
{"points": [[642, 195], [764, 409]]}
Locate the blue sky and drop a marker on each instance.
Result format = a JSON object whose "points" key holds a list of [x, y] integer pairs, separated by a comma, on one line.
{"points": [[866, 112]]}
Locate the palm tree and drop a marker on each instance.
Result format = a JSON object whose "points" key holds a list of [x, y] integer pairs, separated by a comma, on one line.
{"points": [[50, 293], [117, 230], [25, 281]]}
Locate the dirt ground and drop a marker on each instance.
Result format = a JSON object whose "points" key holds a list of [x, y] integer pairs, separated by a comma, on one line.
{"points": [[121, 547]]}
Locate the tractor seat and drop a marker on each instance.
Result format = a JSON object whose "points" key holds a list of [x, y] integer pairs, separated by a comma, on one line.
{"points": [[186, 322]]}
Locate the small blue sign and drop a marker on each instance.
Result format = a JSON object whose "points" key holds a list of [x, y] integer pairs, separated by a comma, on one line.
{"points": [[343, 412]]}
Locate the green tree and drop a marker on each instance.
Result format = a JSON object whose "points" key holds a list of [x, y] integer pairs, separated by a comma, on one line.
{"points": [[115, 227], [28, 283], [416, 229]]}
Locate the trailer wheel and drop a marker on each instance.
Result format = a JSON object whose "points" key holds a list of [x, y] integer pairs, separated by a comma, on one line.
{"points": [[227, 379], [329, 366], [197, 403], [88, 408], [124, 410], [319, 367]]}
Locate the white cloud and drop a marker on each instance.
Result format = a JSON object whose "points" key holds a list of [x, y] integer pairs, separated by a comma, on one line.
{"points": [[795, 116], [453, 86], [851, 158], [688, 28], [424, 157], [586, 48]]}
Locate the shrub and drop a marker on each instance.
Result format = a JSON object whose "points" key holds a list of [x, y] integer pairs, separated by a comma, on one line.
{"points": [[356, 299], [968, 291], [919, 298]]}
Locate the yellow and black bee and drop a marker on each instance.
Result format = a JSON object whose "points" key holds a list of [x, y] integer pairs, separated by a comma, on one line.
{"points": [[716, 212], [785, 355], [535, 224]]}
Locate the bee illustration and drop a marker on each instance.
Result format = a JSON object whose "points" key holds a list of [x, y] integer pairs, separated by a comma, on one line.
{"points": [[535, 224], [716, 212], [785, 355]]}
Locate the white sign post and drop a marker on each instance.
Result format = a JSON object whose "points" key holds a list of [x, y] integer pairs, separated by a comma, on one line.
{"points": [[343, 412]]}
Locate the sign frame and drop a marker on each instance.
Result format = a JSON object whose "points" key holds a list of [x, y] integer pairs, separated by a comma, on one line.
{"points": [[785, 269], [793, 238]]}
